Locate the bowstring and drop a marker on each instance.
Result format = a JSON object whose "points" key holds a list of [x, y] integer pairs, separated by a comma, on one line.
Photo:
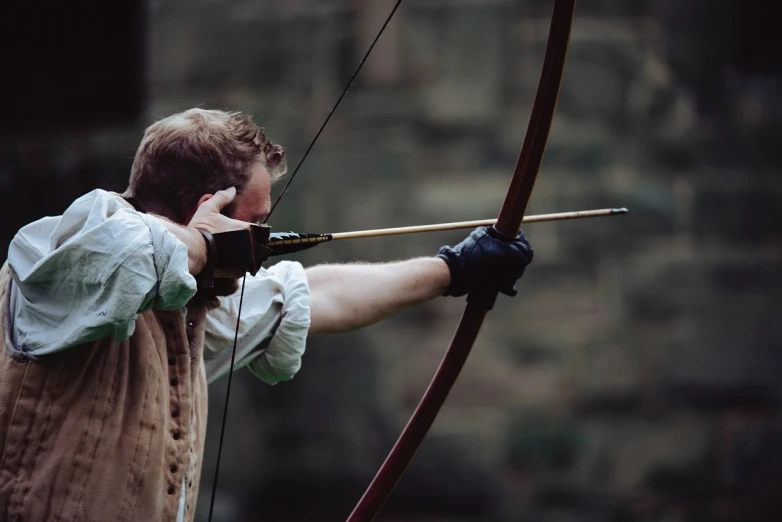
{"points": [[276, 202], [331, 112], [227, 395]]}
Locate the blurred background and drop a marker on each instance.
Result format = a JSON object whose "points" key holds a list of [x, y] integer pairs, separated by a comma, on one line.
{"points": [[637, 375]]}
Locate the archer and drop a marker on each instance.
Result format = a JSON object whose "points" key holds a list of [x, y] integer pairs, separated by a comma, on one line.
{"points": [[118, 313]]}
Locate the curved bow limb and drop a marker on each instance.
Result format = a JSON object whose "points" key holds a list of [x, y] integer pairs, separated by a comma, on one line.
{"points": [[508, 223]]}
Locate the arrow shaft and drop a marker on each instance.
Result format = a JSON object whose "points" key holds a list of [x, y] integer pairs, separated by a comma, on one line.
{"points": [[477, 223]]}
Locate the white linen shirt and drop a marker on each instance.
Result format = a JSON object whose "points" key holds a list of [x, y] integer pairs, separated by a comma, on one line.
{"points": [[89, 273]]}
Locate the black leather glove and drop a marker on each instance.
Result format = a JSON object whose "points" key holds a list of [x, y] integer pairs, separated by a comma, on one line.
{"points": [[486, 263]]}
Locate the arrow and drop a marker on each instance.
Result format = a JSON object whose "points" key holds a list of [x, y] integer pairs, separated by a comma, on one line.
{"points": [[579, 214], [289, 242]]}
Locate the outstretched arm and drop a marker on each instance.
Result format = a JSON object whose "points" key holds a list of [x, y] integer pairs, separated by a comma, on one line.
{"points": [[347, 297], [351, 296]]}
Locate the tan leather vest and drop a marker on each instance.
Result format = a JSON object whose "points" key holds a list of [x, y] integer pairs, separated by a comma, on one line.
{"points": [[105, 431]]}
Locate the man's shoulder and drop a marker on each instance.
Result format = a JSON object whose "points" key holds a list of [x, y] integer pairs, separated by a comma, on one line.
{"points": [[50, 232], [100, 196]]}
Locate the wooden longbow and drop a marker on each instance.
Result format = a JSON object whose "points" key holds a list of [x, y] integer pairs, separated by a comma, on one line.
{"points": [[508, 224]]}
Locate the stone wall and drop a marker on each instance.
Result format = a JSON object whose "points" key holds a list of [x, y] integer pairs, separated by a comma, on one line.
{"points": [[635, 377]]}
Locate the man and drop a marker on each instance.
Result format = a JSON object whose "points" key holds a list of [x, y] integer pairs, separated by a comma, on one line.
{"points": [[110, 339]]}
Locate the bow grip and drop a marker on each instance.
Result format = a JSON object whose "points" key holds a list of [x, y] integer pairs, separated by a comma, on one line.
{"points": [[485, 297]]}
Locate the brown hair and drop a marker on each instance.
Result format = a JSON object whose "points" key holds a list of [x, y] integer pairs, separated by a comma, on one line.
{"points": [[197, 152]]}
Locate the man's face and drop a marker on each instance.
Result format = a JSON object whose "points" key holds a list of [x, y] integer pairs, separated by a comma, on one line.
{"points": [[253, 203]]}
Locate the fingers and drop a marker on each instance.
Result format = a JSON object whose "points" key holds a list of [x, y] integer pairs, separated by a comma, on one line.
{"points": [[486, 260], [221, 199], [208, 215]]}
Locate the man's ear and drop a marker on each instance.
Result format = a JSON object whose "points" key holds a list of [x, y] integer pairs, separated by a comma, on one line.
{"points": [[201, 200]]}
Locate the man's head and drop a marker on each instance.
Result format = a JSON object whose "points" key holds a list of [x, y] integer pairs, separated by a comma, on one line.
{"points": [[194, 153]]}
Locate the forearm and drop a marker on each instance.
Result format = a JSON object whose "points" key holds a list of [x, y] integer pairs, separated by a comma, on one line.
{"points": [[192, 239], [348, 297]]}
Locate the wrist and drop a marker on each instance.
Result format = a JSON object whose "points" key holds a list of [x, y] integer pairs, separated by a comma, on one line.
{"points": [[456, 284], [443, 275], [198, 251], [207, 257]]}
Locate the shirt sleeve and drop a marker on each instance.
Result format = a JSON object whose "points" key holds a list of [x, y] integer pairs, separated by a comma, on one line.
{"points": [[87, 274], [273, 325]]}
